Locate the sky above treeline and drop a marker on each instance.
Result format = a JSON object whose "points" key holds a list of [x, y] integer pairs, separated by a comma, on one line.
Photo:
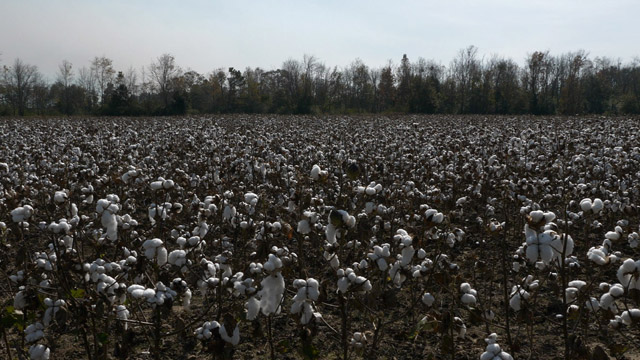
{"points": [[205, 35]]}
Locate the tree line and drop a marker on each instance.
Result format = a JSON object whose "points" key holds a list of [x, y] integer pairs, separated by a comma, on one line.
{"points": [[568, 84]]}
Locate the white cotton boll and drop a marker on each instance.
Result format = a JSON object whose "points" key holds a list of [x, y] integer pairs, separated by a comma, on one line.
{"points": [[312, 289], [251, 198], [407, 256], [625, 271], [370, 191], [468, 299], [549, 216], [532, 253], [350, 221], [315, 172], [489, 315], [34, 332], [168, 184], [156, 185], [330, 232], [597, 206], [271, 293], [234, 339], [592, 304], [20, 301], [437, 218], [137, 293], [536, 216], [253, 307], [229, 212], [60, 197], [177, 257], [546, 253], [194, 240], [428, 299], [612, 235], [149, 294], [465, 287], [39, 352], [122, 314], [343, 284], [585, 205], [616, 290], [21, 213], [531, 235], [578, 284], [304, 227]]}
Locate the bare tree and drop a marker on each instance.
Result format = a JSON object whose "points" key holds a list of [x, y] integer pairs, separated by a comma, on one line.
{"points": [[131, 80], [162, 71], [87, 81], [19, 80], [464, 68], [65, 77], [103, 72]]}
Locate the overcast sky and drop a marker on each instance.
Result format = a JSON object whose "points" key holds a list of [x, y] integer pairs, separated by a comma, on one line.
{"points": [[205, 35]]}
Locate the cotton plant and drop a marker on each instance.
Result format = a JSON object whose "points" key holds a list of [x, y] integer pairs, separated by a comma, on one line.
{"points": [[21, 214], [305, 225], [603, 254], [317, 173], [212, 329], [155, 251], [34, 332], [402, 266], [626, 319], [269, 298], [608, 299], [307, 293], [358, 340], [338, 219], [469, 295], [162, 183], [589, 206], [107, 208], [493, 350], [348, 279], [159, 211], [53, 306], [156, 296], [542, 241], [60, 197], [39, 352], [521, 293], [629, 274]]}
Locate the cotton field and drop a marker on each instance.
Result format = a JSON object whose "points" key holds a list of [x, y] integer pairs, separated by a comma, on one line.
{"points": [[236, 237]]}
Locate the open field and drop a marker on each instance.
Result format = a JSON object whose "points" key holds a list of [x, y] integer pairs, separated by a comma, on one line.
{"points": [[335, 237]]}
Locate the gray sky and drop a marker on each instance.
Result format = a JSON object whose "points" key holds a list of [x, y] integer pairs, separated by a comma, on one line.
{"points": [[204, 35]]}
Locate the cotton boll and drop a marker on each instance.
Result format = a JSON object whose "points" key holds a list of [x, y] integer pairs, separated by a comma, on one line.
{"points": [[304, 227], [251, 198], [536, 216], [428, 299], [60, 197], [271, 293], [597, 206], [156, 185], [585, 205], [253, 307], [39, 352], [34, 332], [330, 232], [612, 235], [122, 314], [468, 299]]}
